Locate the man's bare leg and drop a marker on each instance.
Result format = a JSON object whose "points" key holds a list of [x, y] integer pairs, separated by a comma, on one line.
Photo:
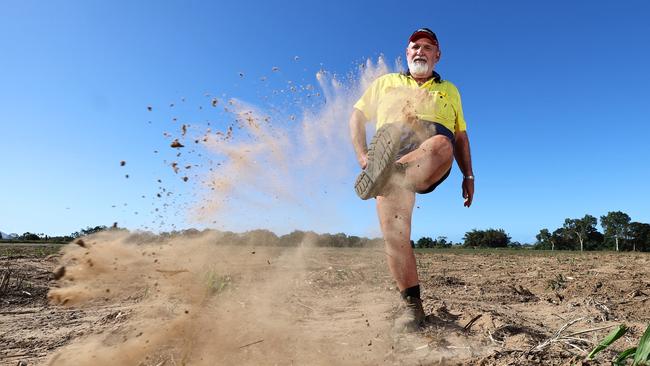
{"points": [[395, 211], [426, 165]]}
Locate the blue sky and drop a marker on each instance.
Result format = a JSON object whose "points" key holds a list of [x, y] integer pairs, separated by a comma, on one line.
{"points": [[556, 96]]}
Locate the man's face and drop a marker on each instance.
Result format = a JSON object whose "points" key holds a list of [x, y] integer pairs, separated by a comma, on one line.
{"points": [[421, 56]]}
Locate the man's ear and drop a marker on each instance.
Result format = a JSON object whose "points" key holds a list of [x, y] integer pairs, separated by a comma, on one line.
{"points": [[438, 54]]}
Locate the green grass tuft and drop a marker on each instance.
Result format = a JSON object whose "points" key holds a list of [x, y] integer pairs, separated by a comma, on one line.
{"points": [[611, 338], [642, 354]]}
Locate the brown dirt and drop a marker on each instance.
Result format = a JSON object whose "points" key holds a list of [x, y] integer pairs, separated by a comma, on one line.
{"points": [[194, 301]]}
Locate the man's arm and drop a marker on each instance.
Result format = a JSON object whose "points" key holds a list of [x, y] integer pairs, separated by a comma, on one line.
{"points": [[464, 160], [358, 134]]}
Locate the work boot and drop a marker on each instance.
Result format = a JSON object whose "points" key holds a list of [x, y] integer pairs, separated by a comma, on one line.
{"points": [[381, 160], [412, 317]]}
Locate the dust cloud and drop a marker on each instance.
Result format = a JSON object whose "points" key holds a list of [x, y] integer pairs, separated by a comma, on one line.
{"points": [[297, 162], [288, 162], [199, 300]]}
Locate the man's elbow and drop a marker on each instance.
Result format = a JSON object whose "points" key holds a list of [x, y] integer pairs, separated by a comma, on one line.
{"points": [[461, 138]]}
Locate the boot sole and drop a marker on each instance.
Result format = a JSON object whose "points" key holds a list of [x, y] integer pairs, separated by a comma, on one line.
{"points": [[382, 152]]}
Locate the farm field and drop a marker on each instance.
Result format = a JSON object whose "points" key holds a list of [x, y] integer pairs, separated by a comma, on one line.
{"points": [[197, 301]]}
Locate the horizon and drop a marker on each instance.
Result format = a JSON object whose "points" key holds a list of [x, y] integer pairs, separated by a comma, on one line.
{"points": [[80, 233]]}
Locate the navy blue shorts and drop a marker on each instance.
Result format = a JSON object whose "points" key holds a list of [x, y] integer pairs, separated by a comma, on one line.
{"points": [[413, 135]]}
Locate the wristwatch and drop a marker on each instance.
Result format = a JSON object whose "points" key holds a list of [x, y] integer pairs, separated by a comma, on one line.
{"points": [[470, 177]]}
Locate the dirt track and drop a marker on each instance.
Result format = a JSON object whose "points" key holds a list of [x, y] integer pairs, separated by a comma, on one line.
{"points": [[313, 306]]}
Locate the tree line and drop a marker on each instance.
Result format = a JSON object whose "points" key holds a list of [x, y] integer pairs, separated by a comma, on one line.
{"points": [[263, 237], [259, 237], [619, 233], [41, 237], [490, 238]]}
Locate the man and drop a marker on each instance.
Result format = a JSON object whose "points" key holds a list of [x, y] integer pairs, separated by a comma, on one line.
{"points": [[420, 129]]}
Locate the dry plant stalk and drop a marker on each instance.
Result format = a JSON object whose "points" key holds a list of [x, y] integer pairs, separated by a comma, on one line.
{"points": [[4, 281], [569, 339]]}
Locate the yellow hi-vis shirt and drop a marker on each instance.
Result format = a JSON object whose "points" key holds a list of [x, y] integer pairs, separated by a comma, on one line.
{"points": [[397, 97]]}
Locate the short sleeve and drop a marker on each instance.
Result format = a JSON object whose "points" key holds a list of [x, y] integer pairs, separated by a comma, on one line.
{"points": [[460, 124], [367, 104]]}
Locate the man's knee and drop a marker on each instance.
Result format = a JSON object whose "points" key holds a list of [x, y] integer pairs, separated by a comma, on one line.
{"points": [[440, 145]]}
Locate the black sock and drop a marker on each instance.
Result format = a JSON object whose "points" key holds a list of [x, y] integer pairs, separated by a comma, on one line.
{"points": [[412, 292]]}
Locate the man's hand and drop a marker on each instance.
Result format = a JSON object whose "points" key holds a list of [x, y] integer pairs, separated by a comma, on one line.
{"points": [[464, 160], [468, 191], [363, 160]]}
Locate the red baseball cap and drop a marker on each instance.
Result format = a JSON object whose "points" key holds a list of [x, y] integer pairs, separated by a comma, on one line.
{"points": [[426, 33]]}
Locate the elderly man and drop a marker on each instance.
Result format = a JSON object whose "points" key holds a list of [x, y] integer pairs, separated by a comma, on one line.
{"points": [[420, 129]]}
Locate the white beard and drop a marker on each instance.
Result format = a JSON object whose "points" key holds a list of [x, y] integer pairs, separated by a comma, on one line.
{"points": [[419, 69]]}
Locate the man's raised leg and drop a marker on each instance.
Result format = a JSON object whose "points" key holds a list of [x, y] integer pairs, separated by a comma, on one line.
{"points": [[428, 163]]}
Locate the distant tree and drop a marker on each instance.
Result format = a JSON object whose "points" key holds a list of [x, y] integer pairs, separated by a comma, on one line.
{"points": [[515, 245], [29, 236], [355, 241], [190, 232], [260, 237], [92, 230], [473, 238], [563, 240], [596, 241], [580, 228], [229, 238], [615, 225], [61, 239], [425, 242], [639, 235], [491, 238], [298, 237], [324, 240], [545, 239], [338, 240], [442, 242]]}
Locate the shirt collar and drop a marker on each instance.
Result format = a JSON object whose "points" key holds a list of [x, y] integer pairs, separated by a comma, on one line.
{"points": [[436, 77]]}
